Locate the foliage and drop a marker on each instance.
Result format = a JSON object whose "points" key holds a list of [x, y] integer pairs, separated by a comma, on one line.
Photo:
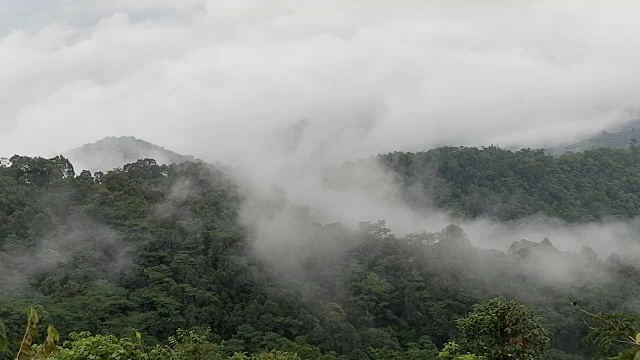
{"points": [[500, 329], [184, 345], [509, 185], [613, 333], [83, 345], [159, 248], [452, 351]]}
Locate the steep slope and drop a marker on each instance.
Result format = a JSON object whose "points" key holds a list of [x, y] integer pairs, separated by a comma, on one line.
{"points": [[114, 152]]}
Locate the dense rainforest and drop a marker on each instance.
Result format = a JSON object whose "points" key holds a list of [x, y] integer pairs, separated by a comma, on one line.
{"points": [[151, 261], [510, 185], [615, 138]]}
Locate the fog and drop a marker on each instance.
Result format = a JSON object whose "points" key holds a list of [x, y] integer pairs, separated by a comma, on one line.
{"points": [[286, 90], [101, 248], [299, 81], [365, 192]]}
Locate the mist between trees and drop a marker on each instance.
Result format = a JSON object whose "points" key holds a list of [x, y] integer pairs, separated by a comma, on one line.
{"points": [[380, 256]]}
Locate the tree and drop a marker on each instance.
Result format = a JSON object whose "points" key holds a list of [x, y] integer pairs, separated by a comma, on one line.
{"points": [[452, 351], [424, 349], [83, 346], [188, 345], [371, 295], [499, 329], [612, 333]]}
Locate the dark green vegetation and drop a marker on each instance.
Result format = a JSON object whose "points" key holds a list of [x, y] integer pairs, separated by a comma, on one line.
{"points": [[156, 248], [507, 185]]}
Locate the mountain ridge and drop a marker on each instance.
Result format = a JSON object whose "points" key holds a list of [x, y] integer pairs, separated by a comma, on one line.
{"points": [[615, 138], [114, 152]]}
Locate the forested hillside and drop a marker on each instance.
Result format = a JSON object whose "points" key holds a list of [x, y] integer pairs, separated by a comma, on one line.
{"points": [[115, 152], [158, 248], [507, 185], [619, 138]]}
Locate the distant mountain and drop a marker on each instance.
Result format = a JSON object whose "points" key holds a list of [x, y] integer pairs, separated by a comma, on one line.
{"points": [[619, 138], [114, 152]]}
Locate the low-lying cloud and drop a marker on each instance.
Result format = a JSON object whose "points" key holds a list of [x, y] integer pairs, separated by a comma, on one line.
{"points": [[363, 191], [229, 80], [286, 89]]}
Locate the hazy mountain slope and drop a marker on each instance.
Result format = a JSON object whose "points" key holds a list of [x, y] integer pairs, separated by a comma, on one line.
{"points": [[619, 138], [114, 152], [468, 182]]}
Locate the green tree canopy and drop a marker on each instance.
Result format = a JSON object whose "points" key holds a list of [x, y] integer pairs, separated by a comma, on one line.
{"points": [[502, 330]]}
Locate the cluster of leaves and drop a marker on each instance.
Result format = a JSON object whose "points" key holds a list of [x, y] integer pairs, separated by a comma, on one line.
{"points": [[185, 345], [503, 330], [158, 248], [613, 334], [508, 185], [81, 346], [452, 351], [497, 329]]}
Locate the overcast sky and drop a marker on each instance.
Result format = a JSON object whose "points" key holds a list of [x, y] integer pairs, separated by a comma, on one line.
{"points": [[232, 80]]}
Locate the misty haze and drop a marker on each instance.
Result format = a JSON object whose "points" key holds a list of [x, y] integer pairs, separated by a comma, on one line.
{"points": [[302, 180]]}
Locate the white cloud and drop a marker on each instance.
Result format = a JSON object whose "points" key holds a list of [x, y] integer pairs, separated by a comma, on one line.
{"points": [[227, 81]]}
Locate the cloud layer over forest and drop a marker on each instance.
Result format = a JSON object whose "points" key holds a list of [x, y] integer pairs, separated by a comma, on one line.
{"points": [[265, 85], [298, 81]]}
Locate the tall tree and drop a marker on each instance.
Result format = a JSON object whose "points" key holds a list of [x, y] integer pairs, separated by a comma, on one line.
{"points": [[503, 330]]}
